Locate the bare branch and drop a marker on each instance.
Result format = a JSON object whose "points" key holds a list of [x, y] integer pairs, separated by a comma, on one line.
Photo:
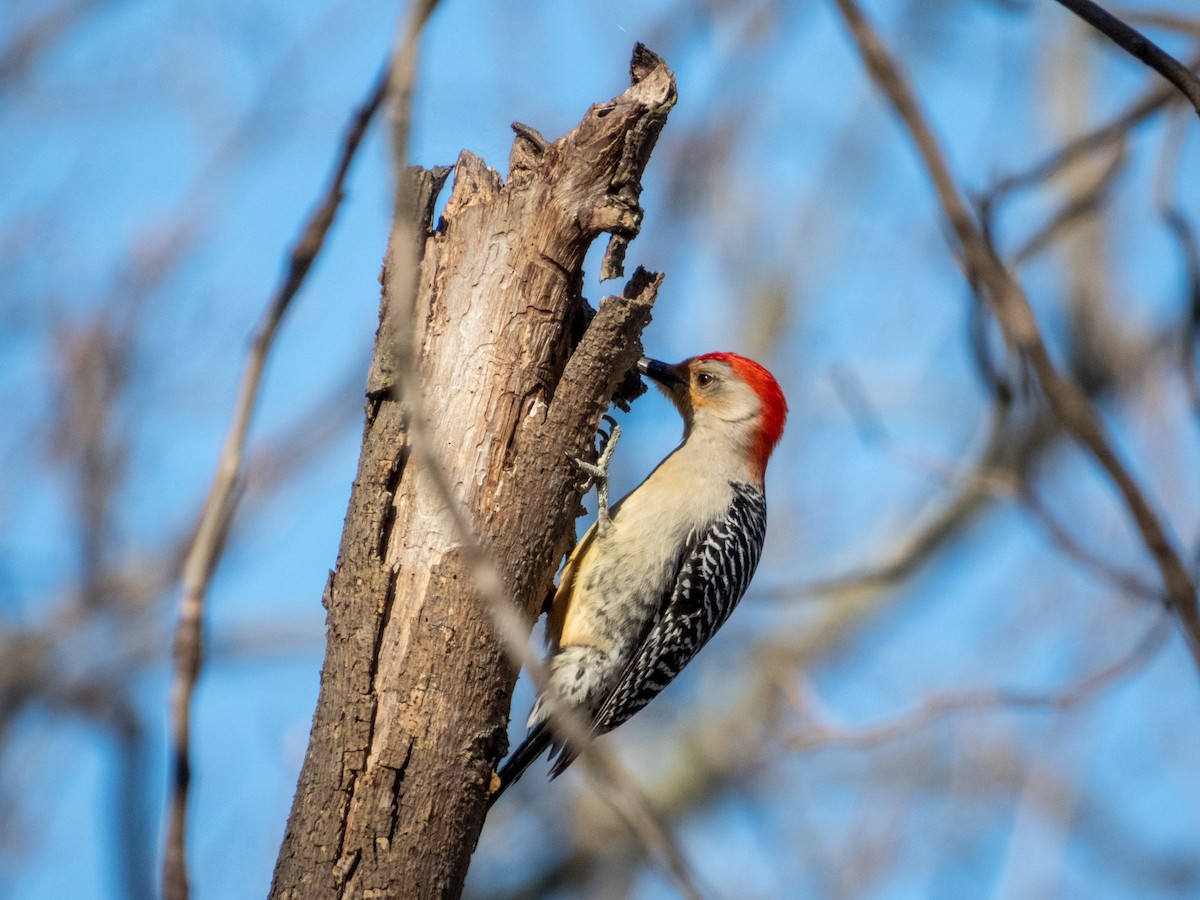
{"points": [[39, 35], [991, 477], [1185, 237], [992, 474], [1082, 204], [1139, 46], [938, 708], [1071, 548], [208, 540], [1009, 304], [1189, 247], [1112, 131], [1167, 21]]}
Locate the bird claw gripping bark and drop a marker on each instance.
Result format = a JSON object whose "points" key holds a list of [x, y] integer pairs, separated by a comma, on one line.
{"points": [[597, 473]]}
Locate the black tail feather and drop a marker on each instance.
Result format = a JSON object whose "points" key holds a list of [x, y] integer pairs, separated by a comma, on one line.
{"points": [[535, 744], [538, 741], [561, 757]]}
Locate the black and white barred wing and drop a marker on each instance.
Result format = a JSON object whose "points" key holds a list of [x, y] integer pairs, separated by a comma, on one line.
{"points": [[711, 581]]}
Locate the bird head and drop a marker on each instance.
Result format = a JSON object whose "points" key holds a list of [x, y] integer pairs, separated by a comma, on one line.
{"points": [[725, 394]]}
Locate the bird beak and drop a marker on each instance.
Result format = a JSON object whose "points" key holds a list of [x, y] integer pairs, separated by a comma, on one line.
{"points": [[664, 374]]}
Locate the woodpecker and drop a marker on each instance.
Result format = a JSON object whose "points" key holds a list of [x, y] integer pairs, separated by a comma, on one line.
{"points": [[652, 581]]}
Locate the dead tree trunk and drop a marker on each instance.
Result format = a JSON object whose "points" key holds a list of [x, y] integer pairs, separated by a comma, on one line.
{"points": [[415, 688]]}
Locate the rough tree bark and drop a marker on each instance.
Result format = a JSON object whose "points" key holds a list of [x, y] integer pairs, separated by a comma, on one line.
{"points": [[416, 688]]}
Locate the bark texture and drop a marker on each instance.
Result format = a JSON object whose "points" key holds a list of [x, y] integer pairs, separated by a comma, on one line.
{"points": [[416, 688]]}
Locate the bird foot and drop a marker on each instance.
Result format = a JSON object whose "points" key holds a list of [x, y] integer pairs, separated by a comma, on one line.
{"points": [[597, 473]]}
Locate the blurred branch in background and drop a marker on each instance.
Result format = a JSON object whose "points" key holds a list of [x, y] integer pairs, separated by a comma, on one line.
{"points": [[1000, 474], [982, 549], [21, 51], [212, 528], [1008, 303], [1084, 203], [1165, 20], [1111, 132], [1184, 233], [1139, 46], [817, 733]]}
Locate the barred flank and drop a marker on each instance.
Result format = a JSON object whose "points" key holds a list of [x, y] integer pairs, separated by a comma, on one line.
{"points": [[714, 577]]}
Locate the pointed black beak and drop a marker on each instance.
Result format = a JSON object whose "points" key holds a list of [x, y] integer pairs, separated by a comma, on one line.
{"points": [[660, 372]]}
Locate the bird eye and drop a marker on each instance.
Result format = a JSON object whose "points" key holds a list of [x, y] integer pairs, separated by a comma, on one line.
{"points": [[704, 379]]}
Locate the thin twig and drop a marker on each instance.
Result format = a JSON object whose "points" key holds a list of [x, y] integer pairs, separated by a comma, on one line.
{"points": [[1008, 482], [207, 543], [1114, 130], [1011, 308], [1072, 549], [937, 708], [41, 34], [1139, 46], [1189, 248], [1165, 20], [1006, 447], [1077, 207]]}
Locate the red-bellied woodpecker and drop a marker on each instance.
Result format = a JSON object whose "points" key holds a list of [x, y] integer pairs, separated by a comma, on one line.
{"points": [[653, 580]]}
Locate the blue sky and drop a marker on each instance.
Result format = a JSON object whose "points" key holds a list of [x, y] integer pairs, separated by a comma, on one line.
{"points": [[812, 244]]}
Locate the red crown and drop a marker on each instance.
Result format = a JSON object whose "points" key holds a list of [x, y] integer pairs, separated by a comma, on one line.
{"points": [[774, 405]]}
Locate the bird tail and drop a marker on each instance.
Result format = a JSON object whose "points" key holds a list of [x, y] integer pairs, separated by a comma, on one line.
{"points": [[535, 744], [561, 757]]}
